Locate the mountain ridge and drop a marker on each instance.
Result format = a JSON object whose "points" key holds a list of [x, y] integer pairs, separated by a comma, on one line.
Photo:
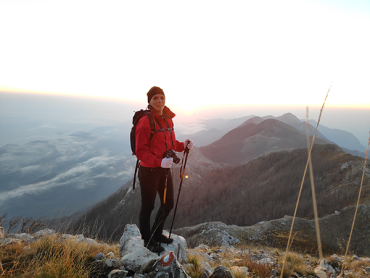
{"points": [[250, 140]]}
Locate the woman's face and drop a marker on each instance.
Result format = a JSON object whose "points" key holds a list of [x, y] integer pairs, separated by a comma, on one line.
{"points": [[158, 102]]}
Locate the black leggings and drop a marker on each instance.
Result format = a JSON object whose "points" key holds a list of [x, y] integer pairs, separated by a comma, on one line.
{"points": [[152, 181]]}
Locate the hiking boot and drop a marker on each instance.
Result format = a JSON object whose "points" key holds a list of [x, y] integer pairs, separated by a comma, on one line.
{"points": [[153, 246], [165, 239]]}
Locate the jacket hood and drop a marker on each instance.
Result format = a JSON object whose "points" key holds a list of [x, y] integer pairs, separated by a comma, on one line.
{"points": [[167, 113]]}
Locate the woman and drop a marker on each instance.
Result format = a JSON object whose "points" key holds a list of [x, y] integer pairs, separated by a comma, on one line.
{"points": [[154, 172]]}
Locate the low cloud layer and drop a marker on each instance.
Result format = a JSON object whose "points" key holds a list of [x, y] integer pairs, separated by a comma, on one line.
{"points": [[79, 161]]}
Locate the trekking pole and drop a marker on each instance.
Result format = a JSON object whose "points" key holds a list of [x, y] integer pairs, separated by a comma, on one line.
{"points": [[163, 209], [186, 151]]}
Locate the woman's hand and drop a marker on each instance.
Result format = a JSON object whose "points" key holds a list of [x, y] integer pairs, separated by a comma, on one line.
{"points": [[167, 162], [188, 143]]}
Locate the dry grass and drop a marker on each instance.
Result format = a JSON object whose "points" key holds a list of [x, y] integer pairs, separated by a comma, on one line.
{"points": [[297, 265], [194, 270], [51, 257]]}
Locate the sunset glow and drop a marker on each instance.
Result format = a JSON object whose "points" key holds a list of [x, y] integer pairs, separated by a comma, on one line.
{"points": [[203, 54]]}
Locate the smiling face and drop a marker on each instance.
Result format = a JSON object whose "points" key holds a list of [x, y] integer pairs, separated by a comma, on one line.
{"points": [[158, 102]]}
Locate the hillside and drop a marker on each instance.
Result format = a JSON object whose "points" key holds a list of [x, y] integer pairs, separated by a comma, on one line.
{"points": [[334, 231], [263, 189], [254, 138]]}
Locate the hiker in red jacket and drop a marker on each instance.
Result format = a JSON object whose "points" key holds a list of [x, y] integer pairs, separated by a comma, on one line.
{"points": [[155, 168]]}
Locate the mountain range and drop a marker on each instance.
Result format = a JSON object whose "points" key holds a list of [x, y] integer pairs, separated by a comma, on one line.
{"points": [[59, 177], [251, 174], [216, 128]]}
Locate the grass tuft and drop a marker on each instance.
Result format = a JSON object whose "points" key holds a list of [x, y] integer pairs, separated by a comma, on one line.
{"points": [[52, 257], [194, 271]]}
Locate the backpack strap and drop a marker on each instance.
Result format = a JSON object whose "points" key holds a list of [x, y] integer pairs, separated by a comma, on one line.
{"points": [[152, 124]]}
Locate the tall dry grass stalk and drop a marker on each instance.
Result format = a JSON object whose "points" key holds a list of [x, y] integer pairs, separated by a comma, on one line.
{"points": [[300, 190], [313, 189], [358, 202]]}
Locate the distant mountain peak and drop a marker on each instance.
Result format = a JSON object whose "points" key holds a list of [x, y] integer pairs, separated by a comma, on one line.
{"points": [[255, 120], [289, 118]]}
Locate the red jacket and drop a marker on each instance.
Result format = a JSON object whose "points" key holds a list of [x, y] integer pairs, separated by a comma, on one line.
{"points": [[151, 154]]}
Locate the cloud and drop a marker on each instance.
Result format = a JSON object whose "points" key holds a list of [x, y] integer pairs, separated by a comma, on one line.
{"points": [[80, 160], [82, 175]]}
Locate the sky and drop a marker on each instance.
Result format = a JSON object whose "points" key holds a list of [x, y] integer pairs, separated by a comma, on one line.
{"points": [[206, 55]]}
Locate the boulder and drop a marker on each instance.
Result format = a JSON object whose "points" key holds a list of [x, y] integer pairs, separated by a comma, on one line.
{"points": [[221, 272], [139, 259], [130, 240], [205, 273], [99, 257], [178, 247], [328, 268], [45, 232], [169, 264], [321, 272]]}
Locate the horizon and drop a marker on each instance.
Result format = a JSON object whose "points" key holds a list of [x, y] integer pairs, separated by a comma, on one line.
{"points": [[106, 110]]}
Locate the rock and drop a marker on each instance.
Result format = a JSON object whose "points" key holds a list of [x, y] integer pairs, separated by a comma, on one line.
{"points": [[324, 264], [205, 273], [202, 247], [221, 272], [355, 258], [335, 257], [10, 241], [66, 236], [130, 240], [266, 261], [242, 270], [99, 257], [162, 275], [89, 241], [24, 237], [115, 263], [118, 273], [45, 232], [2, 235], [178, 247], [169, 264], [136, 260], [321, 272]]}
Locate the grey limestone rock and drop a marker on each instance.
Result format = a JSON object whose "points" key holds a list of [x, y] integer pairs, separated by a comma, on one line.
{"points": [[169, 264], [221, 272], [139, 258], [100, 256], [118, 273], [130, 240]]}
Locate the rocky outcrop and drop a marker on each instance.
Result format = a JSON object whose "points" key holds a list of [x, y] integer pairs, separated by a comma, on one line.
{"points": [[135, 261], [335, 229], [131, 241]]}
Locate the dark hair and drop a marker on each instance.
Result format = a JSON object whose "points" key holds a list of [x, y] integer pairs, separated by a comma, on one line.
{"points": [[154, 91]]}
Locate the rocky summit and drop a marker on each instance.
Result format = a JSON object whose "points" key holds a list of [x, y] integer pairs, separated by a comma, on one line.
{"points": [[217, 251]]}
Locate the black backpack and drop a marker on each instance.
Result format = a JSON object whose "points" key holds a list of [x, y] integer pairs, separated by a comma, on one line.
{"points": [[137, 116]]}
